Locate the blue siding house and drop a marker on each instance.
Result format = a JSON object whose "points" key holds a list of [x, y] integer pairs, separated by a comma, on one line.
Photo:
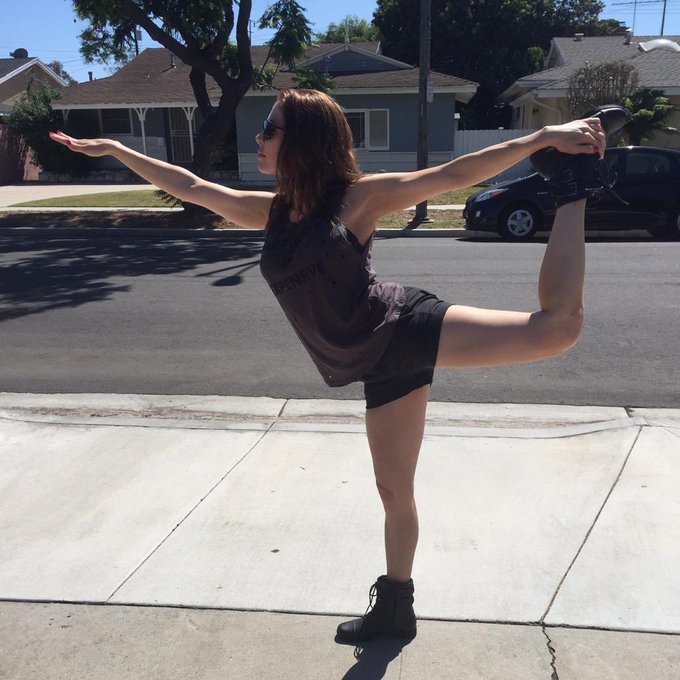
{"points": [[149, 105]]}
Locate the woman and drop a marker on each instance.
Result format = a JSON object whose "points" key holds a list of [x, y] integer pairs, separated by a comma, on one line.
{"points": [[316, 258]]}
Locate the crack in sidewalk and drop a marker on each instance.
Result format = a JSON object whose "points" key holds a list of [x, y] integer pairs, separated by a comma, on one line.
{"points": [[553, 655], [190, 512]]}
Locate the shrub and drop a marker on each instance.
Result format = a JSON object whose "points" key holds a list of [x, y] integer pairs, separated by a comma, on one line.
{"points": [[33, 117]]}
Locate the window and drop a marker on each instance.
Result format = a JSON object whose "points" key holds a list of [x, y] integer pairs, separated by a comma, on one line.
{"points": [[115, 121], [370, 128], [357, 123], [647, 163]]}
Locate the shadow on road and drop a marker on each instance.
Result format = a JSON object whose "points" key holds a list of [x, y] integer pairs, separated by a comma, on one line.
{"points": [[39, 273]]}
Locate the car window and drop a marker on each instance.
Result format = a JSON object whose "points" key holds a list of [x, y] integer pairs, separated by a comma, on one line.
{"points": [[647, 163]]}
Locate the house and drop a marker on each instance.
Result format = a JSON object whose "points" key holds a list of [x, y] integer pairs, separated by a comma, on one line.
{"points": [[16, 74], [150, 106], [541, 98]]}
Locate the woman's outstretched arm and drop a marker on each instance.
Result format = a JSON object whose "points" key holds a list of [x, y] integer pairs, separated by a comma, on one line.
{"points": [[246, 208], [385, 193]]}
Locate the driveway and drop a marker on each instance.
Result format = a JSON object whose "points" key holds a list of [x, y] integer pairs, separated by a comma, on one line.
{"points": [[11, 194]]}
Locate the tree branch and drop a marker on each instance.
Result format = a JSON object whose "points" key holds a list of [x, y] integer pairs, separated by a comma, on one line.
{"points": [[196, 59], [245, 76], [156, 32], [198, 84]]}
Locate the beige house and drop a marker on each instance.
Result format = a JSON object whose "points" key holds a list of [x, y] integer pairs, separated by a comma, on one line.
{"points": [[541, 98], [17, 72]]}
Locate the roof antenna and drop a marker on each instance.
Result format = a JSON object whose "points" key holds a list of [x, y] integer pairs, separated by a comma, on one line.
{"points": [[346, 31]]}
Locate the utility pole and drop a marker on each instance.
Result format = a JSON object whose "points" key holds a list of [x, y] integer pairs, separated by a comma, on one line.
{"points": [[424, 64], [663, 18]]}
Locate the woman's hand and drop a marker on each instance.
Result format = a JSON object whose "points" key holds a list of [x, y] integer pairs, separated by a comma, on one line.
{"points": [[90, 147], [578, 136]]}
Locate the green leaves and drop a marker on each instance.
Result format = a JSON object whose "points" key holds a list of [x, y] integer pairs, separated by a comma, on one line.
{"points": [[198, 25], [490, 42], [649, 110], [293, 33], [32, 118], [359, 30], [308, 78]]}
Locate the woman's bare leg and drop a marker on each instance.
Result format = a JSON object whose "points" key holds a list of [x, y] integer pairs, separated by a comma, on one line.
{"points": [[485, 337], [395, 432]]}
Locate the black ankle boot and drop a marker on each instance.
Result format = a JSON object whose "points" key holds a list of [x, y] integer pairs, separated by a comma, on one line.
{"points": [[572, 177], [390, 615]]}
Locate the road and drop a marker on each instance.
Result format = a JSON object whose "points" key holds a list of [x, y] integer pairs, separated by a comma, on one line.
{"points": [[192, 315]]}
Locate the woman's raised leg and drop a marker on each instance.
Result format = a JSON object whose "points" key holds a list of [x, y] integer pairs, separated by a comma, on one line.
{"points": [[473, 337]]}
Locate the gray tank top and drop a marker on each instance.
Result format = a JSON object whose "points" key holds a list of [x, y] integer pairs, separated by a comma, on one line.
{"points": [[322, 277]]}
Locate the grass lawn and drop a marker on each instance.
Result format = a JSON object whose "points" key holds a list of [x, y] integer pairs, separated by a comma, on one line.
{"points": [[117, 199], [148, 199], [441, 219]]}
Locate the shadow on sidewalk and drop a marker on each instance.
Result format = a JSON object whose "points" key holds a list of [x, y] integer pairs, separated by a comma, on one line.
{"points": [[373, 659], [40, 273]]}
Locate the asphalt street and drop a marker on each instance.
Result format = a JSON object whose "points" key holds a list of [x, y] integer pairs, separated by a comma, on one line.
{"points": [[191, 314]]}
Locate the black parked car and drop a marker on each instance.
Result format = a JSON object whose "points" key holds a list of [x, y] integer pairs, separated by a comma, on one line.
{"points": [[648, 179]]}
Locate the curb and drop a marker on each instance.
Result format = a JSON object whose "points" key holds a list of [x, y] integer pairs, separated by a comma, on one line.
{"points": [[152, 232], [155, 232], [516, 421]]}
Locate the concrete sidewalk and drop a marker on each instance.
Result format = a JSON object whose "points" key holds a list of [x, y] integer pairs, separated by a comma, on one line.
{"points": [[218, 537]]}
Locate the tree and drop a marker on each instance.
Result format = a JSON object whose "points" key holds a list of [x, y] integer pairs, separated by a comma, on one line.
{"points": [[606, 27], [595, 84], [308, 78], [32, 118], [197, 32], [649, 110], [59, 69], [486, 41], [359, 30]]}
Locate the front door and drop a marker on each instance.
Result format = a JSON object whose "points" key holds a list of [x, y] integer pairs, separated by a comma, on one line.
{"points": [[179, 136]]}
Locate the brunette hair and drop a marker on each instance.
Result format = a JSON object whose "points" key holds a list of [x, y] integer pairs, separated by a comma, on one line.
{"points": [[317, 150]]}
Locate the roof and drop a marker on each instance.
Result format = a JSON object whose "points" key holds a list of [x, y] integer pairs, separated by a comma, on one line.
{"points": [[600, 48], [659, 69], [7, 66], [150, 80], [11, 67]]}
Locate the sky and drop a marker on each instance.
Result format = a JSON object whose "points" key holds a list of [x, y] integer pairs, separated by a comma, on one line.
{"points": [[48, 29]]}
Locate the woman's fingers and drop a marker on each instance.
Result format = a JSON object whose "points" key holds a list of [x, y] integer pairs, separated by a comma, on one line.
{"points": [[62, 138], [584, 136], [90, 147]]}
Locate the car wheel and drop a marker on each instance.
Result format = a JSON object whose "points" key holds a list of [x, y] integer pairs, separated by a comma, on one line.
{"points": [[674, 223], [519, 222]]}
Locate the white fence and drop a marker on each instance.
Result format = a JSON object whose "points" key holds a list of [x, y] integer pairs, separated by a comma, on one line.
{"points": [[467, 141]]}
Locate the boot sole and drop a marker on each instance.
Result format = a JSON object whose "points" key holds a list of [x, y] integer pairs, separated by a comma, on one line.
{"points": [[612, 117], [400, 635]]}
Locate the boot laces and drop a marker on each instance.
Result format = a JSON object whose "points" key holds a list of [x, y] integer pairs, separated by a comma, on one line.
{"points": [[372, 595], [609, 179]]}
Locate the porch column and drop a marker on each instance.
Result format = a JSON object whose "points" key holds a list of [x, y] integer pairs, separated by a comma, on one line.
{"points": [[65, 112], [189, 112], [141, 114]]}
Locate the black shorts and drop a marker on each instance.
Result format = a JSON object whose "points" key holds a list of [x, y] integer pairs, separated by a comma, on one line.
{"points": [[409, 360]]}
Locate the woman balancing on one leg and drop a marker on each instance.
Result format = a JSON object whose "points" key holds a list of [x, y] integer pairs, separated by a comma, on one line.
{"points": [[316, 258]]}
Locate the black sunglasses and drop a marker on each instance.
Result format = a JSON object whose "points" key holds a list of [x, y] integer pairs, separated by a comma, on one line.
{"points": [[269, 129]]}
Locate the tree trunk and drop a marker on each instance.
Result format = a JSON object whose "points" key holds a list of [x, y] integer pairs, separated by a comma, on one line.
{"points": [[216, 124]]}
